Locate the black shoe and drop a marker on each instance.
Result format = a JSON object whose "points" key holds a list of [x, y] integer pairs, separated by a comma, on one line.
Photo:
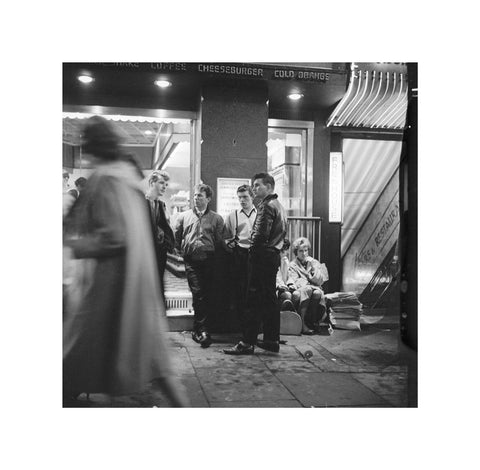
{"points": [[195, 337], [273, 346], [307, 331], [240, 349], [203, 338]]}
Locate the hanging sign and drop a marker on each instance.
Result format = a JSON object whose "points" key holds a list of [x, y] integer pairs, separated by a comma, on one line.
{"points": [[335, 194]]}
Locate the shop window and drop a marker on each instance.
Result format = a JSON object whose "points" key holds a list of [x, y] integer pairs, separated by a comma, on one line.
{"points": [[290, 153], [158, 139]]}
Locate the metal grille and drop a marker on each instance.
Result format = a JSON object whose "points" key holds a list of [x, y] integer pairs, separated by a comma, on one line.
{"points": [[178, 301], [179, 304], [308, 227]]}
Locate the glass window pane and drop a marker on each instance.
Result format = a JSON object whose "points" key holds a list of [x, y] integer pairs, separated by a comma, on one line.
{"points": [[286, 163]]}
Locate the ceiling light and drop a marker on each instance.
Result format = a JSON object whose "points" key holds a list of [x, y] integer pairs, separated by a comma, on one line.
{"points": [[295, 96], [148, 132], [85, 79], [163, 83]]}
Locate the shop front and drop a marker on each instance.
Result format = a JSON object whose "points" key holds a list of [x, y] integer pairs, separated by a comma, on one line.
{"points": [[222, 123]]}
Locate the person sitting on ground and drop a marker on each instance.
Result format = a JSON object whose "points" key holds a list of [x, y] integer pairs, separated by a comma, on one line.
{"points": [[307, 276], [285, 285]]}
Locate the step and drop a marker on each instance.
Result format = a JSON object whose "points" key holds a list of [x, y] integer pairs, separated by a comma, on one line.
{"points": [[179, 310]]}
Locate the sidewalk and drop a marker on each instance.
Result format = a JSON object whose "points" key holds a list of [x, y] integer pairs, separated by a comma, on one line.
{"points": [[348, 369]]}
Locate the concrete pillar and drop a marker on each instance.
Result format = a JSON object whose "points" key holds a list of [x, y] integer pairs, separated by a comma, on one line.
{"points": [[234, 118], [234, 131]]}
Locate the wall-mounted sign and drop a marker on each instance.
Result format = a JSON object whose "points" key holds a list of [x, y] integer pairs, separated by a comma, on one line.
{"points": [[335, 194], [227, 199], [321, 73]]}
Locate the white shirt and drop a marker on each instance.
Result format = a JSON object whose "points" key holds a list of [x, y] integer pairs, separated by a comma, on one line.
{"points": [[244, 228]]}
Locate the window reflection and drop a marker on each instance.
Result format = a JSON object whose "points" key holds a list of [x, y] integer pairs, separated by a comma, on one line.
{"points": [[286, 163]]}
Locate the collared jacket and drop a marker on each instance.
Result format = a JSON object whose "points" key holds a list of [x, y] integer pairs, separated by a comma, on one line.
{"points": [[198, 237], [162, 232], [270, 225]]}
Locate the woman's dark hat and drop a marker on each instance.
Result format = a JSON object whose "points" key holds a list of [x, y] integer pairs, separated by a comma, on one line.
{"points": [[99, 137]]}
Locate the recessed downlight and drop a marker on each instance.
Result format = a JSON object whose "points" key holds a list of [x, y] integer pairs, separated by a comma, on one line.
{"points": [[295, 96], [85, 79], [163, 83]]}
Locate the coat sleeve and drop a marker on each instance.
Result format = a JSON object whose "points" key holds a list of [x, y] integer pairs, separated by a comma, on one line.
{"points": [[296, 278], [280, 281], [178, 232], [229, 228], [219, 230], [263, 225], [317, 277], [106, 236]]}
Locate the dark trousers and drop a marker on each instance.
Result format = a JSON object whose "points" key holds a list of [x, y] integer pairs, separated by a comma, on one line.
{"points": [[161, 255], [239, 277], [262, 298], [200, 280]]}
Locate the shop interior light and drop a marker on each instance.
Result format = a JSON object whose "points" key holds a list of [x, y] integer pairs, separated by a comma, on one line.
{"points": [[85, 78], [163, 83], [295, 96]]}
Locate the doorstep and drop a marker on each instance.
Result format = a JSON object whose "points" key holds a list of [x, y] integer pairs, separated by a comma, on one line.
{"points": [[180, 320], [179, 310]]}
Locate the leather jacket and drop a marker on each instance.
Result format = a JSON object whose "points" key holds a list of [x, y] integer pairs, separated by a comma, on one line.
{"points": [[270, 225]]}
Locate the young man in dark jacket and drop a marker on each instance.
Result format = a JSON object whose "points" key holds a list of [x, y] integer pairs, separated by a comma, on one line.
{"points": [[267, 240], [163, 239]]}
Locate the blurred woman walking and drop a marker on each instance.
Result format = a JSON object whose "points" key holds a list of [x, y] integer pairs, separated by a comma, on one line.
{"points": [[114, 321]]}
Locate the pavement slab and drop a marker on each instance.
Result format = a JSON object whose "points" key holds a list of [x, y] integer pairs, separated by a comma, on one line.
{"points": [[325, 389], [195, 392], [391, 386], [214, 357], [181, 363], [345, 369], [372, 346], [259, 404], [226, 386], [294, 367], [287, 353]]}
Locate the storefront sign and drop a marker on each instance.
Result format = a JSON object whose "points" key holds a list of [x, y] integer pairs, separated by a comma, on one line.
{"points": [[335, 197], [227, 199], [238, 70]]}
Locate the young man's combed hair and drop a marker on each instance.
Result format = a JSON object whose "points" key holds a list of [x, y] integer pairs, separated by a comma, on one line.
{"points": [[245, 188], [156, 175], [266, 179], [204, 188]]}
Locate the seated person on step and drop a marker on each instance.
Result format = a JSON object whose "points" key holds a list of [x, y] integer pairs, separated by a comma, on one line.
{"points": [[285, 287], [307, 275]]}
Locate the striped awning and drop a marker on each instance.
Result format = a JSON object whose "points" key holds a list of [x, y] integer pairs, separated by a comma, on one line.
{"points": [[375, 99], [133, 129]]}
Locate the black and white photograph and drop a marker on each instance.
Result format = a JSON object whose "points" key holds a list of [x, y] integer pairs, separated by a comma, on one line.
{"points": [[239, 234], [263, 254]]}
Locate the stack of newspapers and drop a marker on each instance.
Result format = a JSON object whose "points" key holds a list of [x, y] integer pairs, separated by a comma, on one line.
{"points": [[345, 310]]}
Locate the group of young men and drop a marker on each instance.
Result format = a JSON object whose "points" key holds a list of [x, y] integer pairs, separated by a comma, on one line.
{"points": [[253, 235]]}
